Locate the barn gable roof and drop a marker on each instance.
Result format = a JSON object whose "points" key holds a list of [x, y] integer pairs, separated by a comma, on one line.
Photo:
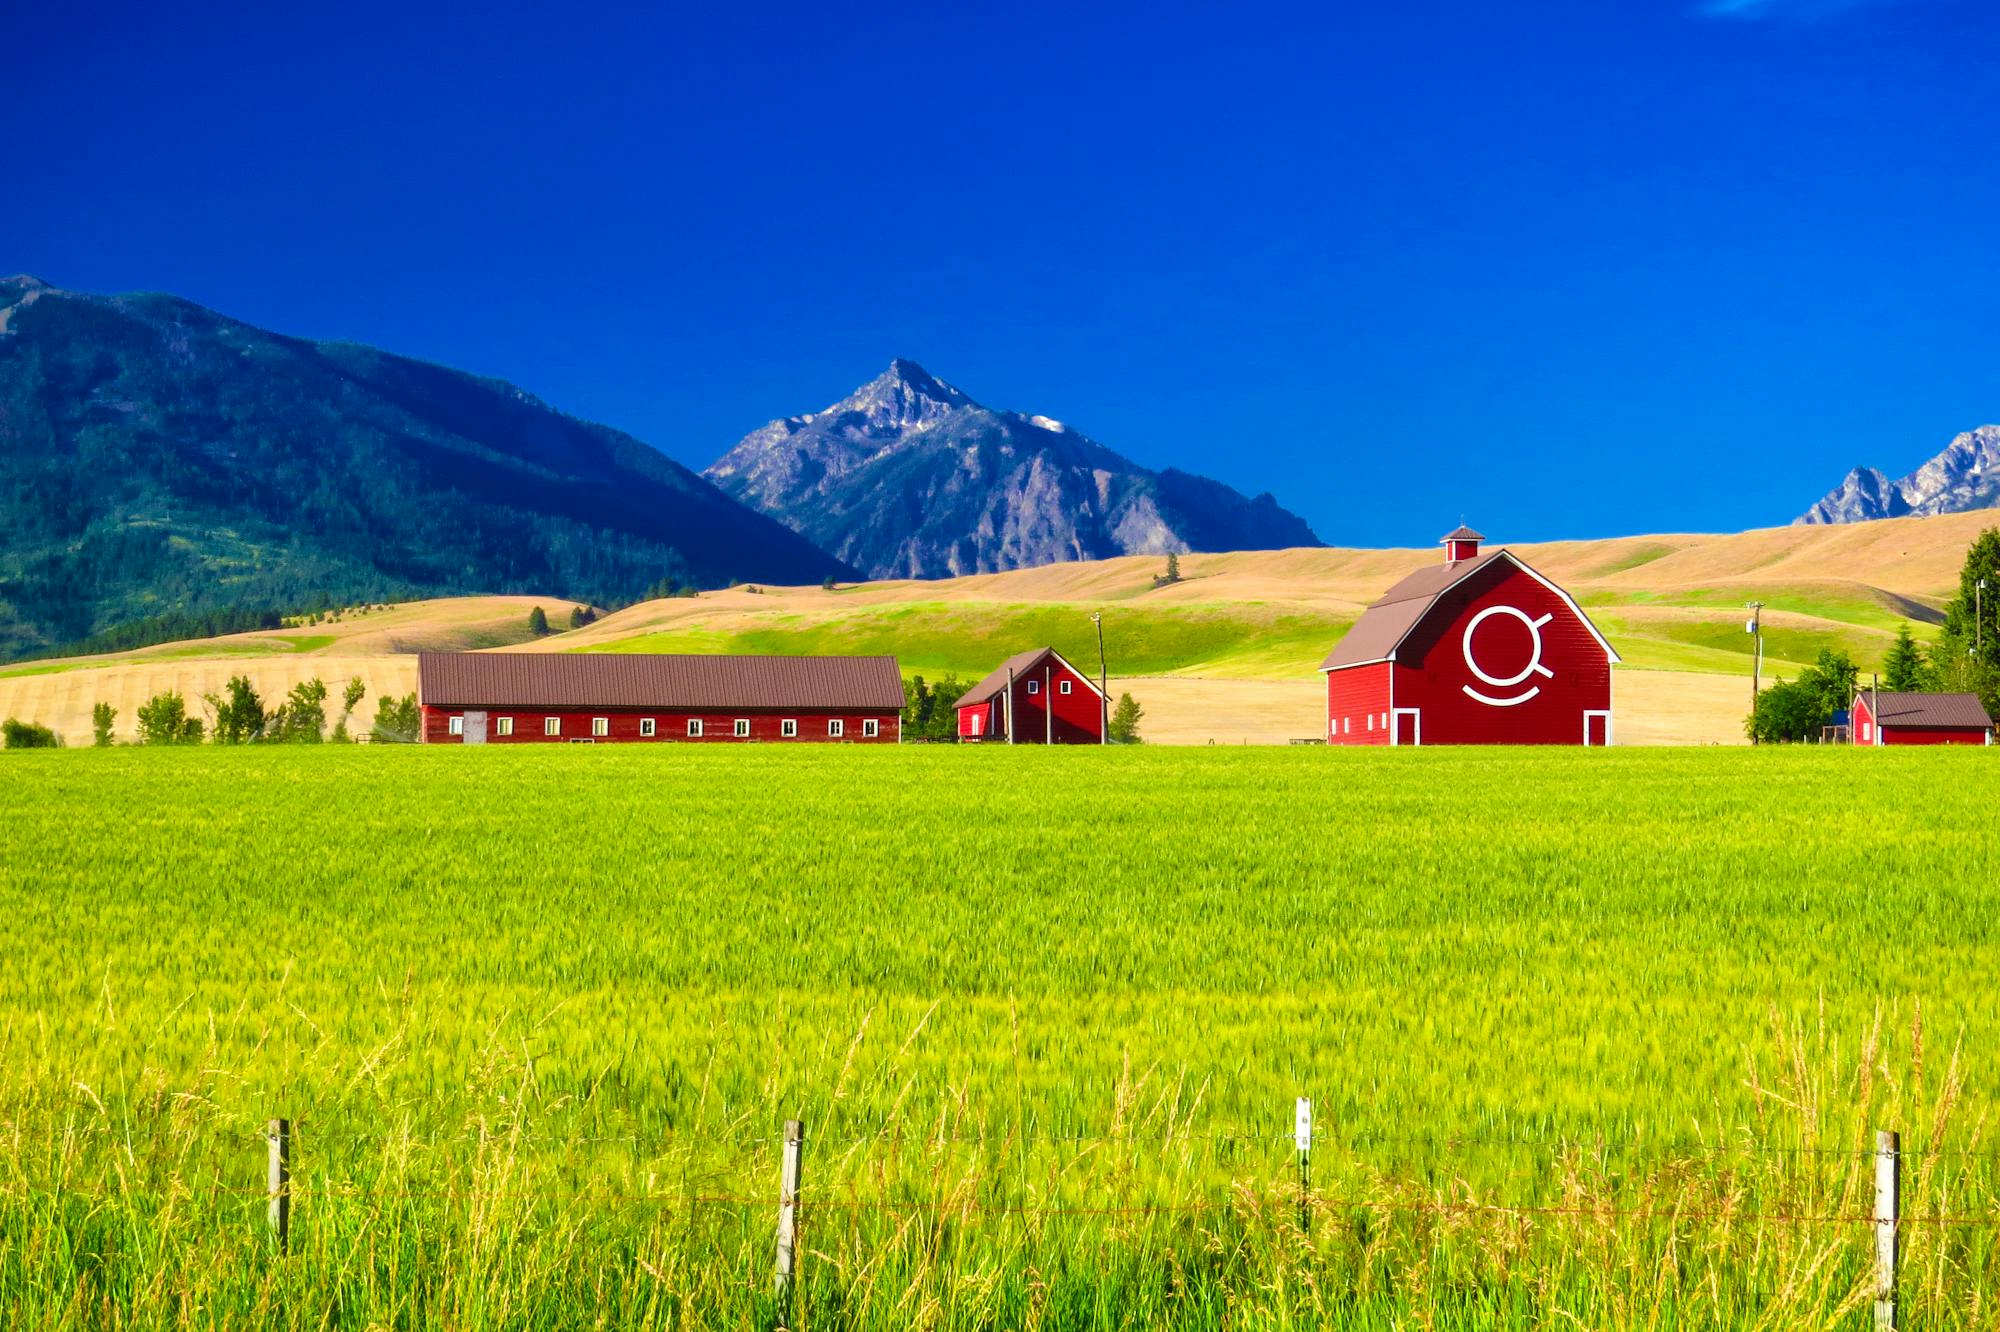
{"points": [[994, 683], [1926, 711], [656, 680], [1391, 618]]}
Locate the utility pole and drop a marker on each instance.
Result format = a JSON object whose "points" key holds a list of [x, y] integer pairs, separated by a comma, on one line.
{"points": [[1104, 684], [1978, 617], [1756, 630]]}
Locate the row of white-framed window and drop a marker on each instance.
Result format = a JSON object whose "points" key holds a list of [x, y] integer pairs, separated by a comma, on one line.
{"points": [[1374, 721], [1062, 686], [600, 727]]}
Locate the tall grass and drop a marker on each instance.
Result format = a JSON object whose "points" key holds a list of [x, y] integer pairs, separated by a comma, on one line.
{"points": [[1595, 1038]]}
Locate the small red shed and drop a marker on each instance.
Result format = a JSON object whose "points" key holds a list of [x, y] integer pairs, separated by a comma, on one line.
{"points": [[1033, 698], [1882, 717], [1481, 650], [584, 697]]}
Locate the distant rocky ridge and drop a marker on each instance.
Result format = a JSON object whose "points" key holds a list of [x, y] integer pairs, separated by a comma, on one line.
{"points": [[1964, 477], [911, 478]]}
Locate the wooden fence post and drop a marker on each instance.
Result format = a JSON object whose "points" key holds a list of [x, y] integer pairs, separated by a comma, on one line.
{"points": [[788, 1207], [278, 1181], [1302, 1135], [1888, 1207]]}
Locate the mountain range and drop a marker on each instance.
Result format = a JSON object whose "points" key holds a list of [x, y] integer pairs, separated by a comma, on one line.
{"points": [[909, 477], [157, 458], [1965, 476]]}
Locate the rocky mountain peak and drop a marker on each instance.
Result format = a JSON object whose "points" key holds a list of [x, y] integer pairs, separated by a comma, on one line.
{"points": [[902, 396], [1964, 476], [908, 477]]}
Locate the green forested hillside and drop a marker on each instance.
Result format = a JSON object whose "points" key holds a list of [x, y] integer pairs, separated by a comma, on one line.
{"points": [[158, 457]]}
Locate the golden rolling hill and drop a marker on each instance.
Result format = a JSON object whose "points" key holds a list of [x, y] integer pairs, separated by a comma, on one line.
{"points": [[1229, 654]]}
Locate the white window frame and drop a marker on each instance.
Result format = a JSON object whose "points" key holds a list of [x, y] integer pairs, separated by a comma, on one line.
{"points": [[870, 728], [742, 728], [455, 725], [836, 728], [648, 727], [1868, 733], [600, 727], [1066, 687], [552, 726], [1034, 686], [503, 727], [694, 728], [789, 728]]}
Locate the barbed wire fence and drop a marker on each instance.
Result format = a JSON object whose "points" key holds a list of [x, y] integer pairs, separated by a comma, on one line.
{"points": [[792, 1200]]}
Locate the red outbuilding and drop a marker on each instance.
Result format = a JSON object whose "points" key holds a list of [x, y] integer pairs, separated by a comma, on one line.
{"points": [[1033, 698], [585, 697], [1481, 650], [1884, 718]]}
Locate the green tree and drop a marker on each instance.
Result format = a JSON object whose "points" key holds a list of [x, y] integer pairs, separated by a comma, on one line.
{"points": [[1904, 670], [102, 716], [1964, 655], [1797, 710], [1785, 713], [827, 585], [239, 717], [301, 718], [1172, 573], [350, 698], [1125, 721], [1833, 679], [396, 720], [538, 622], [579, 616], [164, 720], [16, 734]]}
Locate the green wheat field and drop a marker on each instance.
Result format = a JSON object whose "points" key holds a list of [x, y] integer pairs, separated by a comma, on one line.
{"points": [[1594, 1038]]}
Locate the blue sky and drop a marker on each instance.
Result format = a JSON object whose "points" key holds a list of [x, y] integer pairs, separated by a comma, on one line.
{"points": [[1571, 269]]}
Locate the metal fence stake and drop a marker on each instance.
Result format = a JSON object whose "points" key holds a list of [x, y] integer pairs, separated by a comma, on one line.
{"points": [[278, 1181]]}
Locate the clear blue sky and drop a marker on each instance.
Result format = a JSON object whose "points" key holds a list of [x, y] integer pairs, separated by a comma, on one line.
{"points": [[1572, 269]]}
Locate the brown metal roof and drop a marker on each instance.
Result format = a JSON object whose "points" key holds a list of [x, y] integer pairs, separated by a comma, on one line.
{"points": [[995, 681], [1386, 623], [1945, 711], [1389, 620], [636, 680], [1463, 533]]}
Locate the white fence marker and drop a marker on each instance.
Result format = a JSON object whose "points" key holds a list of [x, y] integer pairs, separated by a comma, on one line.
{"points": [[1888, 1204], [1302, 1134]]}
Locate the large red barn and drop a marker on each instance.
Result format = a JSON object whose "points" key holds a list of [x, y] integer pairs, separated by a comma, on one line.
{"points": [[550, 697], [1884, 717], [1480, 650], [1033, 698]]}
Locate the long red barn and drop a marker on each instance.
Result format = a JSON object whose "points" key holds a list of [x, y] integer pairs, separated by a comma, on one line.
{"points": [[1481, 650], [552, 697]]}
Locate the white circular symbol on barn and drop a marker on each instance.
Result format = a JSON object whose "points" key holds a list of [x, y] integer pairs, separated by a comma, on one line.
{"points": [[1534, 666]]}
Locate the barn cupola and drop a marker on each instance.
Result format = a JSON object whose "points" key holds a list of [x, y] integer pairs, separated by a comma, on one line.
{"points": [[1461, 543]]}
